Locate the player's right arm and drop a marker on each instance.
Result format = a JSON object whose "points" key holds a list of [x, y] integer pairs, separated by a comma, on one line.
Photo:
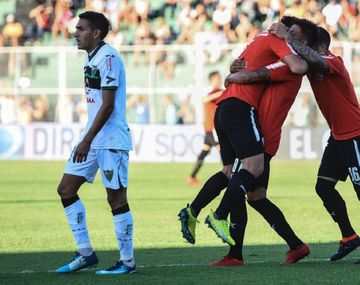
{"points": [[276, 72], [296, 64]]}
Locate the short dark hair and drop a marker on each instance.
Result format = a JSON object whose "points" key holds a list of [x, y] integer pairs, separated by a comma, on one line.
{"points": [[288, 20], [324, 37], [97, 21], [309, 29], [213, 73]]}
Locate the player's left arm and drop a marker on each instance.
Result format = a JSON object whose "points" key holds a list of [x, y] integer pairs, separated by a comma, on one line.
{"points": [[248, 76], [109, 67], [312, 57]]}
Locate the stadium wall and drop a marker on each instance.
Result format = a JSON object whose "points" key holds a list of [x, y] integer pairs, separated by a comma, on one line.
{"points": [[151, 143]]}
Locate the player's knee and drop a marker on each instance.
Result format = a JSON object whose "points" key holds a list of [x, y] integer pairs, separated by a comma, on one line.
{"points": [[258, 194], [255, 167], [243, 180], [63, 191], [324, 187], [116, 198], [227, 169]]}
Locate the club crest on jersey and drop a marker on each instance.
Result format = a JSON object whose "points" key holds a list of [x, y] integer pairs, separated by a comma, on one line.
{"points": [[108, 174], [94, 70]]}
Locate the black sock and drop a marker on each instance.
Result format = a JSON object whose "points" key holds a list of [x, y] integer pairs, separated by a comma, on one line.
{"points": [[238, 218], [199, 162], [121, 210], [335, 205], [240, 183], [197, 167], [69, 201], [209, 192], [277, 221]]}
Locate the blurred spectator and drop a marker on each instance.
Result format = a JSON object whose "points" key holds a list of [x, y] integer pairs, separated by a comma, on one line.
{"points": [[332, 12], [65, 109], [41, 108], [299, 112], [24, 110], [143, 36], [297, 8], [81, 115], [7, 109], [239, 20], [186, 113], [12, 31], [169, 110], [140, 106], [142, 9], [41, 15], [126, 14], [62, 17]]}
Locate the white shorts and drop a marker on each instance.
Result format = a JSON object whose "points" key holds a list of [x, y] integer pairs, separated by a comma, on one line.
{"points": [[113, 166]]}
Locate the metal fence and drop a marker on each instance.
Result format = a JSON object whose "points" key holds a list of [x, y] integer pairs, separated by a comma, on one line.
{"points": [[152, 71]]}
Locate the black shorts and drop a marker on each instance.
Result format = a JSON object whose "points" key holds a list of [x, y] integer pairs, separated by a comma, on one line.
{"points": [[238, 130], [263, 180], [340, 159], [210, 139]]}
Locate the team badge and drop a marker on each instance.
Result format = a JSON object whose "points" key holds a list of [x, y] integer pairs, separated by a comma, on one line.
{"points": [[108, 174]]}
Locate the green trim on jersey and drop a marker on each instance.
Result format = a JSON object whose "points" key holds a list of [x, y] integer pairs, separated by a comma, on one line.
{"points": [[109, 88], [96, 50]]}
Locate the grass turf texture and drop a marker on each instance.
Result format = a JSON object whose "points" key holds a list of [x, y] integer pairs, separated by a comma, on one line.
{"points": [[35, 237]]}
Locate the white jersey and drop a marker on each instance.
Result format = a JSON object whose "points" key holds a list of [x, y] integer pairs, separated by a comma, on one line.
{"points": [[104, 69]]}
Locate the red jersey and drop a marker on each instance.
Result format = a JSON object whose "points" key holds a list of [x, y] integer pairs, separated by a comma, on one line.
{"points": [[276, 103], [209, 112], [336, 98], [262, 51]]}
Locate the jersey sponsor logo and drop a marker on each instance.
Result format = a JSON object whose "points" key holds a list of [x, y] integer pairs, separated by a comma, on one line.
{"points": [[109, 58], [108, 174], [90, 100]]}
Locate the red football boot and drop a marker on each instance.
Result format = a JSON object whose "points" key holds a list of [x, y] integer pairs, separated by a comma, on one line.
{"points": [[228, 261], [294, 255], [192, 181]]}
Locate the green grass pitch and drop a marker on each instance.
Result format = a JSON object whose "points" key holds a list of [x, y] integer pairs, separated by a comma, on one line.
{"points": [[35, 238]]}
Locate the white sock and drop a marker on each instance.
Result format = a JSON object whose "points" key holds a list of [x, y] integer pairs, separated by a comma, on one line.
{"points": [[123, 224], [76, 216]]}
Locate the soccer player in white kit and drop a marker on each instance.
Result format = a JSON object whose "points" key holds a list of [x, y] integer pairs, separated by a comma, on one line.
{"points": [[104, 144]]}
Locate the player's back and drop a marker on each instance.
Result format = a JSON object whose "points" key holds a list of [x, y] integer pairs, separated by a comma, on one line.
{"points": [[262, 51], [336, 98], [275, 104]]}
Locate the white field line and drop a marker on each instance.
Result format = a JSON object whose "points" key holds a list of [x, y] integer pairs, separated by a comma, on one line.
{"points": [[172, 265]]}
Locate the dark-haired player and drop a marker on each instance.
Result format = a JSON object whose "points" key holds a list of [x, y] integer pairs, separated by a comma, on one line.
{"points": [[105, 144], [265, 47], [274, 105], [335, 95], [209, 113], [237, 127]]}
